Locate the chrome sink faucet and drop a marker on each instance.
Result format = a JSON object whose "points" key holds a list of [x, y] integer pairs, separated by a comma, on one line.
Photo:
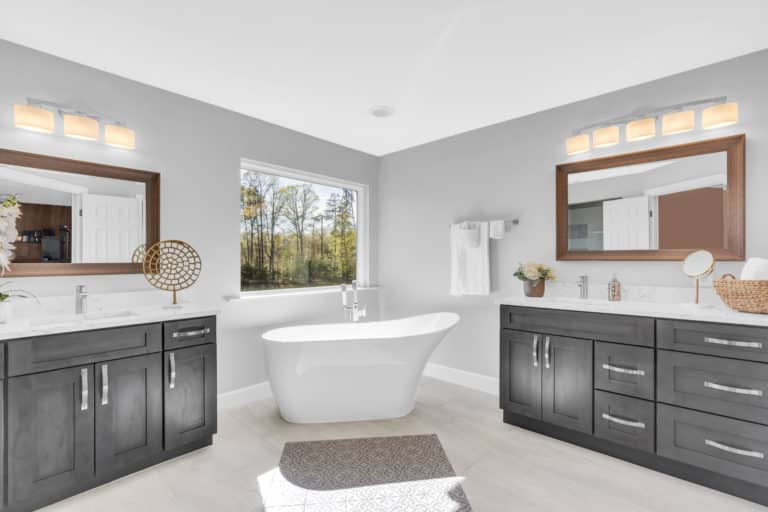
{"points": [[583, 287], [81, 299], [353, 311]]}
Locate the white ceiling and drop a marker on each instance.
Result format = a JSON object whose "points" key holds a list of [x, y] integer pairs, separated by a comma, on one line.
{"points": [[446, 66]]}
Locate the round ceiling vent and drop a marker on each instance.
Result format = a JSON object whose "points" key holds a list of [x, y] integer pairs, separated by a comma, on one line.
{"points": [[381, 110]]}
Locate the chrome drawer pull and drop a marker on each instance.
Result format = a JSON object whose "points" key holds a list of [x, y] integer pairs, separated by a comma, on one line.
{"points": [[172, 358], [734, 343], [535, 350], [731, 449], [621, 421], [104, 384], [621, 369], [732, 389], [84, 389], [546, 351], [189, 334]]}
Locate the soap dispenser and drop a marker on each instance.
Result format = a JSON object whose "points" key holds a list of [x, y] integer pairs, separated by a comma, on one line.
{"points": [[614, 289]]}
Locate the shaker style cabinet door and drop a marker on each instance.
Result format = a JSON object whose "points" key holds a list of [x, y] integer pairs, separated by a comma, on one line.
{"points": [[521, 365], [189, 384], [50, 435], [129, 414], [567, 382]]}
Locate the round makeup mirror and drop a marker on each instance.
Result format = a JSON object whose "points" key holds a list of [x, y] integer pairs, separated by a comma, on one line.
{"points": [[699, 264]]}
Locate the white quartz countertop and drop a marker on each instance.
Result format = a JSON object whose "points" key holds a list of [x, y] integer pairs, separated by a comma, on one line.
{"points": [[699, 313], [57, 316]]}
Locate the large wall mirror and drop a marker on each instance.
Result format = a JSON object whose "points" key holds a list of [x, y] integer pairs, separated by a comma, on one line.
{"points": [[654, 205], [77, 217]]}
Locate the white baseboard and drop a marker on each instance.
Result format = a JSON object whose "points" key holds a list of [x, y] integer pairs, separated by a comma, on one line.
{"points": [[243, 396], [464, 378]]}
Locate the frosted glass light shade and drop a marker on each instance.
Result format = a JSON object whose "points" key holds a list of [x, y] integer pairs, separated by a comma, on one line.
{"points": [[641, 129], [604, 137], [119, 136], [80, 127], [678, 122], [577, 144], [35, 119], [721, 115]]}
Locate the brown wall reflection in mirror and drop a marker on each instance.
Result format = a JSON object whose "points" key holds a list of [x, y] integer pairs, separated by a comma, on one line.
{"points": [[691, 219]]}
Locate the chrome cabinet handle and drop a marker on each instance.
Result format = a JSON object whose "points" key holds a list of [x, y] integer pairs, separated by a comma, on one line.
{"points": [[172, 358], [731, 449], [535, 350], [733, 343], [189, 334], [621, 369], [84, 389], [733, 389], [622, 421], [546, 352], [104, 384]]}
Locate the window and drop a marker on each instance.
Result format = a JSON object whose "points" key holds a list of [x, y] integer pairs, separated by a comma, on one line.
{"points": [[300, 229]]}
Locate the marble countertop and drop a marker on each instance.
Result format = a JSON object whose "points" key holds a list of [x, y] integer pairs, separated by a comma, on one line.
{"points": [[678, 311], [56, 316]]}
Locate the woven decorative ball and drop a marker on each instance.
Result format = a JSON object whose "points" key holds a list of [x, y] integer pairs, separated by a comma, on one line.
{"points": [[171, 265], [138, 254]]}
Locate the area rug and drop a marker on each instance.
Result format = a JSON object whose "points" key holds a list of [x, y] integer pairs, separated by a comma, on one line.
{"points": [[382, 474]]}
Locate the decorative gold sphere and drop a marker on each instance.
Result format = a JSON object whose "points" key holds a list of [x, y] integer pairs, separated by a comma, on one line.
{"points": [[171, 265]]}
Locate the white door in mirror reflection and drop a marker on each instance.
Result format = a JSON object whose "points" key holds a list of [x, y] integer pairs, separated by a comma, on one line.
{"points": [[111, 228], [626, 224]]}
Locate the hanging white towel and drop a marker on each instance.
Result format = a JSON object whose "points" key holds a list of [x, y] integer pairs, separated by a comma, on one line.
{"points": [[497, 229], [470, 265]]}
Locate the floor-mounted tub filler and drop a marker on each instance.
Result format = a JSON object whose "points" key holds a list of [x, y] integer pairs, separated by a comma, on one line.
{"points": [[352, 371]]}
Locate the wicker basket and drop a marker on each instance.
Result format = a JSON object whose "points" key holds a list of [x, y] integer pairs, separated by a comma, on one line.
{"points": [[743, 295]]}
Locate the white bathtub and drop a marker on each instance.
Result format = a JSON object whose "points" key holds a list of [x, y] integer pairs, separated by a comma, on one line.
{"points": [[351, 371]]}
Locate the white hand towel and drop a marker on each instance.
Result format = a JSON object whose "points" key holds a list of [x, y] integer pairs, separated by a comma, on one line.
{"points": [[755, 269], [470, 266], [470, 234], [497, 229]]}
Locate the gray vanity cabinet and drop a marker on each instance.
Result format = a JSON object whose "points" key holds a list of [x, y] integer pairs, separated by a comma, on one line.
{"points": [[521, 373], [190, 395], [50, 435], [129, 413]]}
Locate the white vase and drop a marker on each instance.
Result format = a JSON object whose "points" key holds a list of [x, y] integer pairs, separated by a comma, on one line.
{"points": [[6, 310]]}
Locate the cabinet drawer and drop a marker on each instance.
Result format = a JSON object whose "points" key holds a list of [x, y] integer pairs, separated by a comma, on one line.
{"points": [[738, 389], [625, 369], [730, 447], [186, 333], [624, 420], [634, 330], [31, 355], [737, 341]]}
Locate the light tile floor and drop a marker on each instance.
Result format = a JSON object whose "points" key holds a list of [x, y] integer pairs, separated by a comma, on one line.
{"points": [[505, 468]]}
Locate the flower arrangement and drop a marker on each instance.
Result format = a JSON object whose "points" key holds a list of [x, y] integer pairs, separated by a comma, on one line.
{"points": [[15, 294], [10, 211], [533, 271]]}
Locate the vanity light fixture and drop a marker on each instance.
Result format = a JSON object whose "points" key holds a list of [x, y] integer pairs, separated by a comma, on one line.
{"points": [[577, 144], [119, 136], [80, 127], [678, 122], [641, 129], [718, 116], [604, 137], [32, 118]]}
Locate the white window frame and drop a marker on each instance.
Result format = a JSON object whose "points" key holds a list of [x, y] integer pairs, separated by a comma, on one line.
{"points": [[363, 221]]}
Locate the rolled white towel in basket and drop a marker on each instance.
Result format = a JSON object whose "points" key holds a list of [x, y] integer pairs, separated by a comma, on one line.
{"points": [[755, 269]]}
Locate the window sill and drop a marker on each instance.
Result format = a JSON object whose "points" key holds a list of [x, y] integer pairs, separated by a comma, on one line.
{"points": [[290, 292]]}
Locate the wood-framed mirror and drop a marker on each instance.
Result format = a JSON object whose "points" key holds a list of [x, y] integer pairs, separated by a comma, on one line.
{"points": [[78, 218], [658, 204]]}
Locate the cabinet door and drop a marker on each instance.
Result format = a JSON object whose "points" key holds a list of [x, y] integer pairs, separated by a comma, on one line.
{"points": [[50, 435], [520, 391], [567, 382], [190, 395], [129, 413]]}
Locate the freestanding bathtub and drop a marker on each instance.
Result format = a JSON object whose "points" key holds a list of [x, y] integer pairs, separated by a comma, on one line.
{"points": [[351, 371]]}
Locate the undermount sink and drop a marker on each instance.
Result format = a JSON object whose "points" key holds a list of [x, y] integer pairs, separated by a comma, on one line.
{"points": [[74, 319], [103, 315]]}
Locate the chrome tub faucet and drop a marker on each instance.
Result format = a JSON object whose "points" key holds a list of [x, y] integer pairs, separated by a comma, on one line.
{"points": [[353, 311]]}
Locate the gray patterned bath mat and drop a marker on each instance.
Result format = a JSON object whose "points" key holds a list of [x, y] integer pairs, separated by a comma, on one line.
{"points": [[381, 474]]}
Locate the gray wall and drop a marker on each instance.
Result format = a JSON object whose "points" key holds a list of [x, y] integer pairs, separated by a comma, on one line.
{"points": [[197, 148], [508, 170]]}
